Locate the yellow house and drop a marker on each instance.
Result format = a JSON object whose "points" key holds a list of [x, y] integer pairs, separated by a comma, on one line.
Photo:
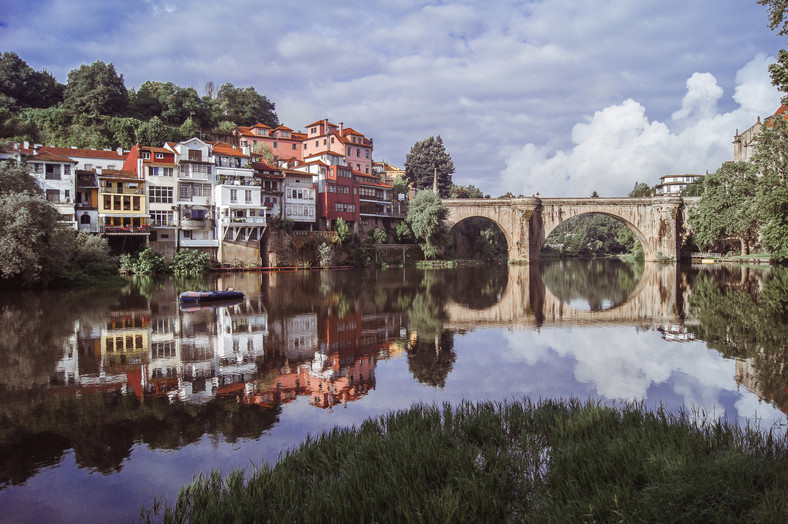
{"points": [[122, 204]]}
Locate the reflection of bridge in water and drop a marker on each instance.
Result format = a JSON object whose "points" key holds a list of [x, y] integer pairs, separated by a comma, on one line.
{"points": [[527, 302]]}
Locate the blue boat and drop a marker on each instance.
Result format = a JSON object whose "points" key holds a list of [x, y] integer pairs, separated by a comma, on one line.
{"points": [[193, 297]]}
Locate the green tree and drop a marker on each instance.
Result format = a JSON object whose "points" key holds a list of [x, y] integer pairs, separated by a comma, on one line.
{"points": [[426, 158], [265, 151], [96, 89], [188, 129], [15, 178], [728, 208], [31, 240], [695, 189], [469, 191], [379, 236], [190, 261], [343, 230], [425, 217], [245, 106], [172, 103], [29, 88], [400, 186], [153, 132], [642, 189]]}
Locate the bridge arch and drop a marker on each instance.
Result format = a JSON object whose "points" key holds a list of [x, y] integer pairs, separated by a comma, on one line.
{"points": [[632, 227], [456, 227]]}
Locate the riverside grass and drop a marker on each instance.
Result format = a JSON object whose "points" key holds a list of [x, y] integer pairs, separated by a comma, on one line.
{"points": [[557, 460]]}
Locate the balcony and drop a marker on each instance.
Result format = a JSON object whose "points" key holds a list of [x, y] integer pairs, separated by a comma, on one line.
{"points": [[196, 223], [187, 242], [195, 171], [223, 173], [243, 221], [125, 230]]}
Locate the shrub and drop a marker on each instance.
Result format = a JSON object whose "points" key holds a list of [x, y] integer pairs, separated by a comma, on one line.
{"points": [[190, 261]]}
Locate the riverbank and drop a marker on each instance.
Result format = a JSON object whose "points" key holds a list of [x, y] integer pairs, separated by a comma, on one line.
{"points": [[552, 461]]}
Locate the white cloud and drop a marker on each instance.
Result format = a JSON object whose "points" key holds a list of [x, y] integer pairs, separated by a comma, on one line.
{"points": [[619, 145]]}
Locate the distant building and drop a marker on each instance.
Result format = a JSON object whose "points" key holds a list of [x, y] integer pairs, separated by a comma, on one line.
{"points": [[675, 184], [744, 143]]}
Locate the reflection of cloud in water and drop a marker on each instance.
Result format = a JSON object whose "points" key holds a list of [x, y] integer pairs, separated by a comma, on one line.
{"points": [[618, 363], [582, 304]]}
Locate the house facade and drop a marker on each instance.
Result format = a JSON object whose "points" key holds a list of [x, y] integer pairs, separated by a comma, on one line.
{"points": [[240, 214], [675, 184], [156, 165], [195, 206]]}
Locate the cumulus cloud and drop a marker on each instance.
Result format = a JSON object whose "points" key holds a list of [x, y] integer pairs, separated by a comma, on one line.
{"points": [[619, 145]]}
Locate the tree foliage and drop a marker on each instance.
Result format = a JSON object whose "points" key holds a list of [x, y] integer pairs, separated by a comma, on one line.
{"points": [[190, 261], [27, 87], [343, 230], [425, 217], [424, 160], [642, 189], [729, 207], [590, 235], [469, 191], [245, 106], [173, 104], [96, 89]]}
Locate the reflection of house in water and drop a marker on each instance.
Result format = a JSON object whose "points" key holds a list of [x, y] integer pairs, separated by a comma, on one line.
{"points": [[195, 355], [239, 343], [675, 333]]}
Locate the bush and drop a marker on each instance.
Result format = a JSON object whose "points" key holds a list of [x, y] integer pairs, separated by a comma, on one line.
{"points": [[146, 262], [190, 261]]}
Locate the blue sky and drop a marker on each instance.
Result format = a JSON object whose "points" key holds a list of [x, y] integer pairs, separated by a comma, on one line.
{"points": [[555, 96]]}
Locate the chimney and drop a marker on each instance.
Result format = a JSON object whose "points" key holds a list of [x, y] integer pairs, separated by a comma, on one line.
{"points": [[120, 151], [341, 127], [25, 144]]}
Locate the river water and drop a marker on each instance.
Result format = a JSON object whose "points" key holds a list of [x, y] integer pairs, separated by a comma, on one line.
{"points": [[112, 397]]}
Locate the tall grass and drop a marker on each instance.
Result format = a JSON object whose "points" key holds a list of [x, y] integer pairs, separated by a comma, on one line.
{"points": [[496, 462]]}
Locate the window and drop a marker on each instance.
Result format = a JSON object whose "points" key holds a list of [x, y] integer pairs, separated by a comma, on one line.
{"points": [[159, 155], [358, 152], [53, 171], [160, 195], [195, 155], [88, 167], [66, 169], [187, 234], [367, 152], [294, 147], [233, 195], [53, 195], [37, 168], [276, 145], [161, 218], [145, 155], [248, 197]]}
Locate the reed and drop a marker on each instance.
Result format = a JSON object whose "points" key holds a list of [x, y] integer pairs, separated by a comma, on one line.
{"points": [[556, 460]]}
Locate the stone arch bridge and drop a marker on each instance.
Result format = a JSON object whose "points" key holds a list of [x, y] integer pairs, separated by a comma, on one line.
{"points": [[526, 222]]}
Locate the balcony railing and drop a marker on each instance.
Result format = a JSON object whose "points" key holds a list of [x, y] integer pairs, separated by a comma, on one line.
{"points": [[238, 221], [125, 230], [184, 242]]}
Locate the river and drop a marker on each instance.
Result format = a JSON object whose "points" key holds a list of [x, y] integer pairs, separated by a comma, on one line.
{"points": [[112, 397]]}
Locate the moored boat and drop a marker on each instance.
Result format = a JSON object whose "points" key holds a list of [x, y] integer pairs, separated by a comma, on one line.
{"points": [[208, 296]]}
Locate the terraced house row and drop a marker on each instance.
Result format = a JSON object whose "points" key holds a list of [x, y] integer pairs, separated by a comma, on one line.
{"points": [[217, 196]]}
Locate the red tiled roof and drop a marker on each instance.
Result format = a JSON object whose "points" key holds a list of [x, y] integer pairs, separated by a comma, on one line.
{"points": [[50, 156], [83, 153], [225, 149], [118, 174]]}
